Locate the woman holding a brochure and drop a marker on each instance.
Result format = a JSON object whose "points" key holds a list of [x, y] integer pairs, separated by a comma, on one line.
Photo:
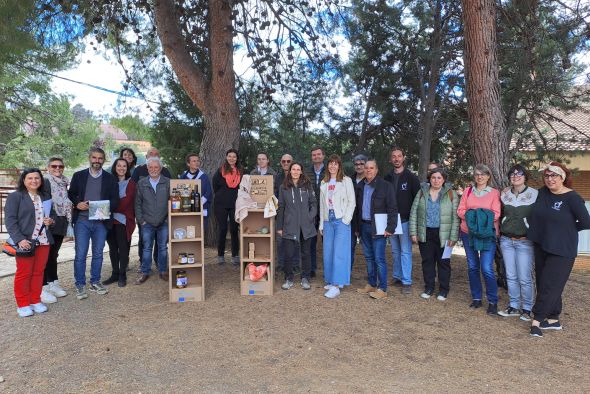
{"points": [[434, 226], [27, 218]]}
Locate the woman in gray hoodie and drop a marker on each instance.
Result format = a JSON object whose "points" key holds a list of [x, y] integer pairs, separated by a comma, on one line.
{"points": [[295, 223]]}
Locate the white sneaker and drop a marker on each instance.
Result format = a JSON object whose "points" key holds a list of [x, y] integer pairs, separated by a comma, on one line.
{"points": [[333, 292], [39, 307], [46, 296], [328, 287], [56, 289], [24, 311]]}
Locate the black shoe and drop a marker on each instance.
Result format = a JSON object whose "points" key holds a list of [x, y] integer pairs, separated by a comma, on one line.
{"points": [[545, 325], [492, 309], [510, 311], [110, 280], [536, 332], [122, 282], [397, 283], [475, 304], [406, 289], [312, 274]]}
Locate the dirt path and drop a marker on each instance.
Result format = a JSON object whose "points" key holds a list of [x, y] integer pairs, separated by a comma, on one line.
{"points": [[133, 340]]}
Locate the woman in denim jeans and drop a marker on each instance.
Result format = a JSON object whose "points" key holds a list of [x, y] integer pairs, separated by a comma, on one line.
{"points": [[517, 250], [481, 198], [337, 202]]}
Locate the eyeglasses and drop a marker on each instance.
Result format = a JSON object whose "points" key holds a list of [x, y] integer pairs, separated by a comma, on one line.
{"points": [[57, 166], [550, 176], [516, 173], [359, 164], [285, 161]]}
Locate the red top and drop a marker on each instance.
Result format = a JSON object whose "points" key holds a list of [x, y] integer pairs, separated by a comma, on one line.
{"points": [[127, 208], [489, 201]]}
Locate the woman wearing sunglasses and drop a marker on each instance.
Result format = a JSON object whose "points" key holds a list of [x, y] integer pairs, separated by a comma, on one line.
{"points": [[517, 250], [557, 216], [56, 186]]}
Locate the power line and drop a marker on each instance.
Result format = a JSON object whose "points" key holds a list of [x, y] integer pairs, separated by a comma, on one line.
{"points": [[118, 93]]}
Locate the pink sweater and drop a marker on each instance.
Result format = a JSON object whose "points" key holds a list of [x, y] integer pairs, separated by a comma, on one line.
{"points": [[489, 201]]}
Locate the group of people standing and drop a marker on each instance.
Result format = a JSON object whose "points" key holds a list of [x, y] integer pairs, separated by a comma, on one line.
{"points": [[531, 225]]}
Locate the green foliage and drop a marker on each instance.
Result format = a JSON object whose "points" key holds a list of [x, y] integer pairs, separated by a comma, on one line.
{"points": [[133, 126], [50, 121]]}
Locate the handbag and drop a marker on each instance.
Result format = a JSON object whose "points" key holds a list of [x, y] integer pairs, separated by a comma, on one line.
{"points": [[14, 250]]}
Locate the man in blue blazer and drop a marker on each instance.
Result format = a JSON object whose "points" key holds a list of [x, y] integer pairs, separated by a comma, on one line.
{"points": [[92, 184]]}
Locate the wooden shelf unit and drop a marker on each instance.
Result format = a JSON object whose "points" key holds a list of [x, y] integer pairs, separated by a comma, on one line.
{"points": [[195, 291], [263, 243]]}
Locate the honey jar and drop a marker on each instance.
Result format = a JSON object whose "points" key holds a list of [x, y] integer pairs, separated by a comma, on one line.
{"points": [[181, 279]]}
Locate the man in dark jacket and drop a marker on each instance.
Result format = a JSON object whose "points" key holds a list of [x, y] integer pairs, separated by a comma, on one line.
{"points": [[316, 174], [91, 185], [375, 219], [151, 212], [405, 186]]}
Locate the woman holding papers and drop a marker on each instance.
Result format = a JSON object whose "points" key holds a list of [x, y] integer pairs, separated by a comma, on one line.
{"points": [[27, 220], [479, 211], [337, 202], [434, 226]]}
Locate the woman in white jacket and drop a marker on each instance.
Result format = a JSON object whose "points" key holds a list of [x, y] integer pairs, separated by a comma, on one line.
{"points": [[337, 202]]}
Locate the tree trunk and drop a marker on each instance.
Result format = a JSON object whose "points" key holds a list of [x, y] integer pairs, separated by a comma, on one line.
{"points": [[213, 91], [489, 142]]}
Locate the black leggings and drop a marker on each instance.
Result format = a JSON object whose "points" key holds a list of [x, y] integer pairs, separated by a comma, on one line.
{"points": [[50, 274], [221, 215], [119, 249], [552, 273]]}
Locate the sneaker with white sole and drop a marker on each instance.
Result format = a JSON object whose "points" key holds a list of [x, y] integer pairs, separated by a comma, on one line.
{"points": [[426, 295], [287, 285], [545, 325], [98, 288], [510, 311], [525, 315], [39, 307], [56, 289], [333, 292], [81, 292], [46, 296], [441, 297], [24, 311], [305, 285], [328, 287], [536, 332]]}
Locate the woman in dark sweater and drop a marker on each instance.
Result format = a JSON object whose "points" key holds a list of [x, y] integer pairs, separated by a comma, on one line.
{"points": [[225, 185], [557, 216], [119, 236], [296, 223]]}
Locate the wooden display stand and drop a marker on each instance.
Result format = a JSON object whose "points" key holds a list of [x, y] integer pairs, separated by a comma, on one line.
{"points": [[195, 291], [255, 246]]}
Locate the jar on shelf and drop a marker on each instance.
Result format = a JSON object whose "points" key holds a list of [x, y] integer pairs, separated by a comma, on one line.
{"points": [[190, 258], [181, 279], [175, 201], [182, 258]]}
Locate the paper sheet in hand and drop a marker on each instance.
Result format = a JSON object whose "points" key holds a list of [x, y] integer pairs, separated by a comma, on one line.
{"points": [[447, 252], [47, 208], [381, 224]]}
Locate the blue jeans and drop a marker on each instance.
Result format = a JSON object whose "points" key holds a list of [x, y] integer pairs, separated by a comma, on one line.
{"points": [[401, 252], [374, 251], [483, 260], [160, 235], [336, 257], [84, 231], [518, 257]]}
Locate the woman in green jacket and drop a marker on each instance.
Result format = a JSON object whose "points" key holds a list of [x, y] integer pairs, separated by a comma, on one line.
{"points": [[434, 224]]}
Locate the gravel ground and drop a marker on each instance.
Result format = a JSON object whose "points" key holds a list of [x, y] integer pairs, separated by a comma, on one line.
{"points": [[134, 340]]}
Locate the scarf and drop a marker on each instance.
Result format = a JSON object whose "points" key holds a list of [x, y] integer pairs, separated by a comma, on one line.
{"points": [[231, 178], [59, 195]]}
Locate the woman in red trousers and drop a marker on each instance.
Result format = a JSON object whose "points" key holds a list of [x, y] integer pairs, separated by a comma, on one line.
{"points": [[26, 211]]}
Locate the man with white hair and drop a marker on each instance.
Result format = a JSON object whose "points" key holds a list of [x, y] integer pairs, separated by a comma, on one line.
{"points": [[142, 170], [151, 212]]}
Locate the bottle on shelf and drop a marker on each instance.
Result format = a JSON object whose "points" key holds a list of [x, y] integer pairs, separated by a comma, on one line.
{"points": [[174, 201], [197, 199], [185, 200]]}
